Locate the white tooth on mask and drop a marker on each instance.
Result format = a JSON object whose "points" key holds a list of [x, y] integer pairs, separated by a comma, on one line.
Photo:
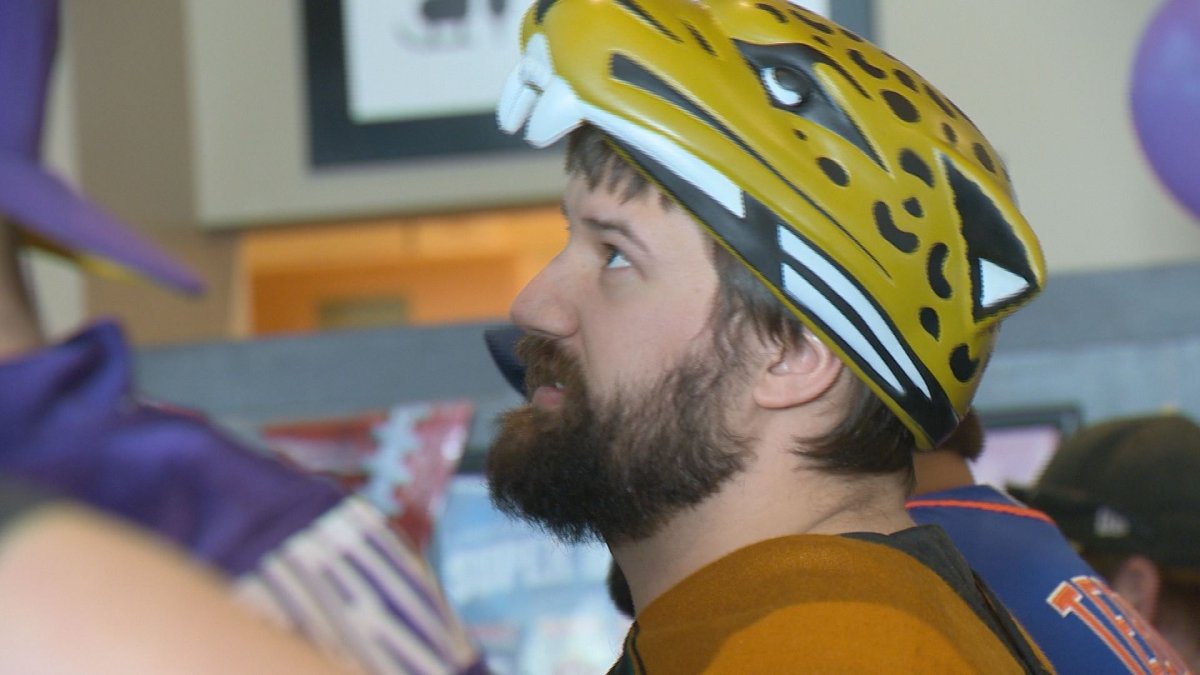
{"points": [[516, 102], [536, 67], [534, 94], [532, 74], [557, 112]]}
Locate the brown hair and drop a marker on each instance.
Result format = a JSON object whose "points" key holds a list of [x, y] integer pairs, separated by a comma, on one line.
{"points": [[967, 439], [870, 439]]}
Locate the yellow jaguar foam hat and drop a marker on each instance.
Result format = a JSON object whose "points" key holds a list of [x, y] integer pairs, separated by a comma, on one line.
{"points": [[861, 196]]}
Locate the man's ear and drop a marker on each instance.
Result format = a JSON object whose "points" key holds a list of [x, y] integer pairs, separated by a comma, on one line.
{"points": [[800, 372], [1139, 582]]}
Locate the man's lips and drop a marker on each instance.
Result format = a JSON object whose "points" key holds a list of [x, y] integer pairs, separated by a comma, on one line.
{"points": [[547, 397]]}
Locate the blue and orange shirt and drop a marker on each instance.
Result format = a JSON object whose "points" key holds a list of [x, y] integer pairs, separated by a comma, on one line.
{"points": [[818, 603], [1080, 624]]}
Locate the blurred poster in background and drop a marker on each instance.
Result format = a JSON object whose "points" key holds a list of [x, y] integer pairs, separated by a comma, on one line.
{"points": [[400, 459], [535, 606]]}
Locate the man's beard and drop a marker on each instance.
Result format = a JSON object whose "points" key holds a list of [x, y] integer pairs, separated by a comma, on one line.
{"points": [[617, 470]]}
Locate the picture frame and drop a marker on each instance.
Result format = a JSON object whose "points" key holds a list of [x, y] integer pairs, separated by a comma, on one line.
{"points": [[355, 116], [347, 126]]}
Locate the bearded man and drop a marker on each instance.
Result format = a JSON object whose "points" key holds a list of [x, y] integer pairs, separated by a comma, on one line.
{"points": [[788, 257]]}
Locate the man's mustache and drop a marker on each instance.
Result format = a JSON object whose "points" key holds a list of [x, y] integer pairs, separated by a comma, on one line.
{"points": [[547, 364]]}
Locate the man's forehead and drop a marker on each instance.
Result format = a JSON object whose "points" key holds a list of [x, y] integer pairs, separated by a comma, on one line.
{"points": [[661, 232], [643, 211]]}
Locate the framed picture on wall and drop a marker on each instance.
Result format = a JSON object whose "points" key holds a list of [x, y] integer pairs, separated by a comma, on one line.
{"points": [[407, 79], [401, 80]]}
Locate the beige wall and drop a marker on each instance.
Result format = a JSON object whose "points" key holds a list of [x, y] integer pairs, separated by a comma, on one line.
{"points": [[249, 133], [134, 122], [1047, 82], [58, 286]]}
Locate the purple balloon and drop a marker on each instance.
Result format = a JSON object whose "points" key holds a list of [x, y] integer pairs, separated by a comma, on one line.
{"points": [[1165, 98]]}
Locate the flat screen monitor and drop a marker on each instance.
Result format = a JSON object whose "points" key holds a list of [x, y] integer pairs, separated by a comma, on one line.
{"points": [[1017, 444]]}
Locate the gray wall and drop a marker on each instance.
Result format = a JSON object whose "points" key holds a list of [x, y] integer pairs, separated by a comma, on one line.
{"points": [[243, 385], [1113, 343], [1109, 343]]}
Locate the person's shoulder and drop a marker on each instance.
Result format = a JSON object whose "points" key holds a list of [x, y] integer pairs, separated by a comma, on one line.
{"points": [[836, 634], [810, 568], [829, 637], [187, 445], [817, 595]]}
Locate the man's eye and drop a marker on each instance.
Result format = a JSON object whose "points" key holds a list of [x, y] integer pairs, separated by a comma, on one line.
{"points": [[615, 260]]}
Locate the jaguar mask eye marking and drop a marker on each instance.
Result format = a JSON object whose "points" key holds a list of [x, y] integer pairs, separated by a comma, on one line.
{"points": [[784, 85], [796, 63]]}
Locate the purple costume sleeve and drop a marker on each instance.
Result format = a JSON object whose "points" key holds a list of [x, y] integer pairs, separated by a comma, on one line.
{"points": [[301, 550], [71, 423]]}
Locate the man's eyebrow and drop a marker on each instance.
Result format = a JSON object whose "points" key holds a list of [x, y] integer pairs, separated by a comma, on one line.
{"points": [[619, 226]]}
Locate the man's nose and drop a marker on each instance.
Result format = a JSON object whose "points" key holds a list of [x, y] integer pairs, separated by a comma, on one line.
{"points": [[544, 306]]}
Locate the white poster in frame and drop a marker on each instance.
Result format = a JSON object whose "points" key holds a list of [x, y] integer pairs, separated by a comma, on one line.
{"points": [[456, 55], [396, 80]]}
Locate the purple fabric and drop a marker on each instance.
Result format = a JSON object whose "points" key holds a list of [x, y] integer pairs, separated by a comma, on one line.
{"points": [[28, 36], [1164, 98], [39, 202], [70, 422], [33, 198]]}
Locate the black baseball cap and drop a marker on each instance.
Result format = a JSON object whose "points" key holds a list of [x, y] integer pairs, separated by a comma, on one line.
{"points": [[1127, 486]]}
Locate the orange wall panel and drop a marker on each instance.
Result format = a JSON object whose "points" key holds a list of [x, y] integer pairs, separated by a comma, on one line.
{"points": [[424, 270]]}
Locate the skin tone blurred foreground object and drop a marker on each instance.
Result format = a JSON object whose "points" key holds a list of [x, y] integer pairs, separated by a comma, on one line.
{"points": [[82, 593]]}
